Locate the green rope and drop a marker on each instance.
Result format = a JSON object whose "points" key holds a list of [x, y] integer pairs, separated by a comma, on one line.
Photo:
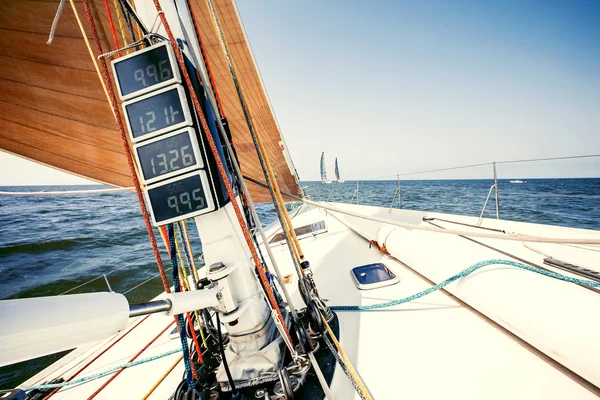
{"points": [[462, 274], [103, 373]]}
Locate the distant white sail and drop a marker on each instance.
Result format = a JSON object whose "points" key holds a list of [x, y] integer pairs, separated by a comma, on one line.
{"points": [[337, 172], [323, 169]]}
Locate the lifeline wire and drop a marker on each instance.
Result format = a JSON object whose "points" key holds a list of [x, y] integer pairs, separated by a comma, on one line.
{"points": [[103, 373], [463, 273]]}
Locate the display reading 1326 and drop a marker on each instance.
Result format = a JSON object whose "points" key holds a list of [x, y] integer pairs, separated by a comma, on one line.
{"points": [[182, 197], [158, 112], [145, 70], [168, 155]]}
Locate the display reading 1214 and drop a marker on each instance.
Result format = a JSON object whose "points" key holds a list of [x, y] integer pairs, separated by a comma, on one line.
{"points": [[154, 114], [144, 70], [179, 198]]}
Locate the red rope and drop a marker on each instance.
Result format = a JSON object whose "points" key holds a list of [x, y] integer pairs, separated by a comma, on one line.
{"points": [[136, 182], [112, 378], [210, 75], [96, 357], [260, 268], [112, 26], [195, 339]]}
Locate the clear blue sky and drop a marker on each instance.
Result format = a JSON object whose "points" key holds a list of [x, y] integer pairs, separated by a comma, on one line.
{"points": [[401, 86]]}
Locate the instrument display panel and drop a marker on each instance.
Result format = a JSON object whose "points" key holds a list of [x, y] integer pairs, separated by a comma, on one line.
{"points": [[156, 113], [180, 198], [169, 155], [145, 70]]}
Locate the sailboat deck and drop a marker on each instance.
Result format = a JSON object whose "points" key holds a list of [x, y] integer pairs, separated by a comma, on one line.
{"points": [[434, 347]]}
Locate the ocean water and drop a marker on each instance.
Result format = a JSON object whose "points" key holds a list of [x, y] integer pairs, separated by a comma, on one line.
{"points": [[50, 245]]}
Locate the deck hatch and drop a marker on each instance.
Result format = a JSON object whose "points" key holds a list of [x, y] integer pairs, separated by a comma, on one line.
{"points": [[372, 276], [303, 231]]}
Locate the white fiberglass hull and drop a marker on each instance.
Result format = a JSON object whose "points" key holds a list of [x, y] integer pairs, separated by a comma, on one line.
{"points": [[439, 346]]}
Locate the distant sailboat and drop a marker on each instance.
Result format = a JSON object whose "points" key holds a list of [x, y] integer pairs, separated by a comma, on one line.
{"points": [[323, 169], [337, 172]]}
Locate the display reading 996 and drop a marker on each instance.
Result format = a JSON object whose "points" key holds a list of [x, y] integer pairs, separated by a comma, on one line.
{"points": [[178, 198], [145, 70]]}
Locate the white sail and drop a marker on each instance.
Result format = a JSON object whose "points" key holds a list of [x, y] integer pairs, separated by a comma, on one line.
{"points": [[337, 172], [324, 169]]}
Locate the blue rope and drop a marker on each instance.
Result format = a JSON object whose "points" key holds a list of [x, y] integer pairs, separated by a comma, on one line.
{"points": [[103, 373], [462, 274], [180, 322]]}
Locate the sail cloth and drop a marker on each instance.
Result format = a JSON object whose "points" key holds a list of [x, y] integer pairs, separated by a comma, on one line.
{"points": [[53, 109]]}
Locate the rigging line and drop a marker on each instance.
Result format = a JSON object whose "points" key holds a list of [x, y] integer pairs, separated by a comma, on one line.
{"points": [[188, 244], [94, 279], [125, 143], [205, 57], [505, 253], [118, 12], [190, 372], [221, 168], [162, 378], [346, 363], [133, 14], [96, 357], [254, 214], [91, 52], [143, 283], [122, 368], [67, 192], [273, 187], [445, 169], [112, 26], [512, 236], [127, 18], [548, 159], [99, 375], [61, 6], [464, 273]]}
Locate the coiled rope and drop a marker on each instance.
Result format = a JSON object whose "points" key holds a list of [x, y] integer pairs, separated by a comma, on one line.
{"points": [[462, 274], [103, 373]]}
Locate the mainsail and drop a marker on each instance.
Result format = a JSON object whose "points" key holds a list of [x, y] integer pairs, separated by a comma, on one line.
{"points": [[337, 170], [53, 109], [323, 169]]}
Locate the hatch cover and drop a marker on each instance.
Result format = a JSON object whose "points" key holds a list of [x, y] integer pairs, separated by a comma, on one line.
{"points": [[303, 231], [373, 276]]}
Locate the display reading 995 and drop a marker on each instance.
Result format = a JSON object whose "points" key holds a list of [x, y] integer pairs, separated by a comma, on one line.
{"points": [[145, 70], [158, 112], [180, 198], [169, 155]]}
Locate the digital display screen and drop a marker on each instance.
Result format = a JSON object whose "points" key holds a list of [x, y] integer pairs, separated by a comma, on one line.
{"points": [[154, 114], [169, 154], [179, 199], [143, 70]]}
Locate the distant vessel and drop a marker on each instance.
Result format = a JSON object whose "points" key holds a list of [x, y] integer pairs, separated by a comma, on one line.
{"points": [[337, 172], [323, 169], [518, 181]]}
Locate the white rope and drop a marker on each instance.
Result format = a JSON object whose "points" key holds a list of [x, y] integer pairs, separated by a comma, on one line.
{"points": [[61, 6], [513, 236], [66, 192]]}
